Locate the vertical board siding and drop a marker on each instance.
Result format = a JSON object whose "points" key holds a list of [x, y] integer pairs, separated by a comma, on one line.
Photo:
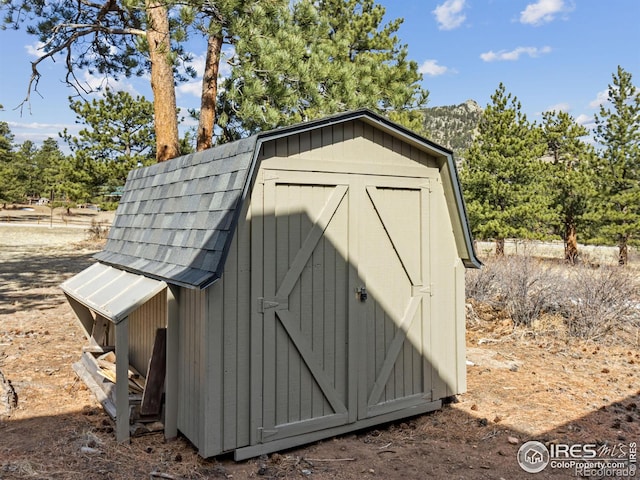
{"points": [[351, 141], [391, 264], [390, 249], [228, 335], [143, 323], [212, 380], [318, 288], [443, 305], [243, 327], [190, 364], [315, 308], [460, 324], [269, 322], [245, 368], [294, 242], [281, 346], [257, 331]]}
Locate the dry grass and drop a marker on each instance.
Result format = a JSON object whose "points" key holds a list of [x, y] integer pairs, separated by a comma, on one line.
{"points": [[595, 302]]}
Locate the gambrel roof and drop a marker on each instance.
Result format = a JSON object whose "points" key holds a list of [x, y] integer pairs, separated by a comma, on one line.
{"points": [[176, 219]]}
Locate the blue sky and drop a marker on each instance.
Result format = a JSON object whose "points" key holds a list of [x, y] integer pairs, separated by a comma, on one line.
{"points": [[551, 54]]}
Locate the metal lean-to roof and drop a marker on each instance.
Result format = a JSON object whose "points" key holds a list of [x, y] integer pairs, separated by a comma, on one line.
{"points": [[176, 219], [111, 292]]}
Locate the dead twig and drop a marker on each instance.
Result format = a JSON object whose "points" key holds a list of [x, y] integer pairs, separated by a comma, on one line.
{"points": [[153, 475], [491, 434], [330, 459]]}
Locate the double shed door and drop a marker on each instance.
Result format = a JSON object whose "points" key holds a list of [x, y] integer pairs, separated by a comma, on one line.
{"points": [[341, 269]]}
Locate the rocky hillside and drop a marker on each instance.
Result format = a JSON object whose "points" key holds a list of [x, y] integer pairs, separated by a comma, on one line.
{"points": [[453, 126]]}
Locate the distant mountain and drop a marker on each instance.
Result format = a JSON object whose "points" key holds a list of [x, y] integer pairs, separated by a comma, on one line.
{"points": [[453, 126]]}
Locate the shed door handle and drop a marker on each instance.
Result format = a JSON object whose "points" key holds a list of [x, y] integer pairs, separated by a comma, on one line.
{"points": [[361, 293]]}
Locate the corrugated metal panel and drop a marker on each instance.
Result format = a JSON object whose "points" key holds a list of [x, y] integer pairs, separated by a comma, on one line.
{"points": [[143, 324], [111, 292]]}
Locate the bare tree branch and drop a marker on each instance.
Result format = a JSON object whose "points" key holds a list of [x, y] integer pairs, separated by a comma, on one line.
{"points": [[81, 30]]}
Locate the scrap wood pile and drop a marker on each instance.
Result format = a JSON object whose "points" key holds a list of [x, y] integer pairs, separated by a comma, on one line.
{"points": [[107, 369], [146, 411]]}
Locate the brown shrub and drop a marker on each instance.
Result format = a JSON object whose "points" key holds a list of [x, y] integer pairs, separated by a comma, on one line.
{"points": [[97, 231], [600, 300], [593, 301]]}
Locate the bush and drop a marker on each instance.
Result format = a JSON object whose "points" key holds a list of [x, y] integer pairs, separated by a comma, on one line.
{"points": [[108, 206], [592, 301], [98, 231], [600, 300], [482, 284], [520, 285]]}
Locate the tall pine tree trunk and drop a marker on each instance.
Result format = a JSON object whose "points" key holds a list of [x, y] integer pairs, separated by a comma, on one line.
{"points": [[162, 82], [623, 250], [570, 243], [209, 93], [500, 247]]}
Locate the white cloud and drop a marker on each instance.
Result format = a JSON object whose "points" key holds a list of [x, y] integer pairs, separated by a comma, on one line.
{"points": [[96, 83], [35, 49], [37, 132], [186, 120], [198, 63], [543, 11], [515, 54], [587, 121], [190, 88], [559, 107], [228, 52], [601, 98], [431, 68], [449, 14], [225, 69], [40, 126]]}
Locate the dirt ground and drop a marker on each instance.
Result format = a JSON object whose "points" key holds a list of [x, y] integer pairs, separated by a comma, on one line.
{"points": [[522, 385]]}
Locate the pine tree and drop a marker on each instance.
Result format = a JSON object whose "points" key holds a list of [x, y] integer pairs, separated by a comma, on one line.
{"points": [[26, 174], [118, 136], [501, 175], [333, 56], [117, 37], [8, 191], [569, 175], [50, 161], [618, 133]]}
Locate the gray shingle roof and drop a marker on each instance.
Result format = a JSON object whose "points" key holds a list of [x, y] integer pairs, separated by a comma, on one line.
{"points": [[175, 218]]}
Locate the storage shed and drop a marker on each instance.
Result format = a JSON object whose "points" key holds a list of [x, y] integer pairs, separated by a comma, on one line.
{"points": [[310, 280]]}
